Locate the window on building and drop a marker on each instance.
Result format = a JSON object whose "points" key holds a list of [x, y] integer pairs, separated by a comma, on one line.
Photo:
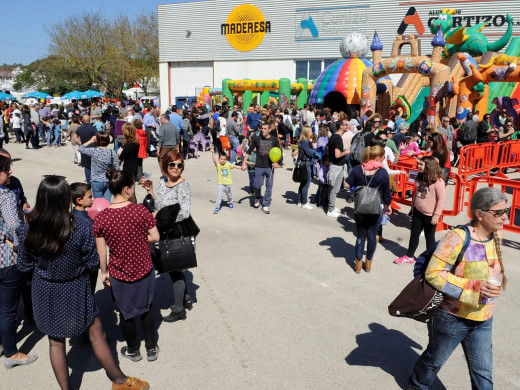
{"points": [[328, 61], [314, 69], [301, 69]]}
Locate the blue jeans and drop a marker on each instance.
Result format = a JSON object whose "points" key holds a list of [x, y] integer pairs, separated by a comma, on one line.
{"points": [[87, 175], [234, 145], [260, 173], [251, 181], [41, 132], [100, 190], [366, 226], [11, 281], [303, 190], [445, 333]]}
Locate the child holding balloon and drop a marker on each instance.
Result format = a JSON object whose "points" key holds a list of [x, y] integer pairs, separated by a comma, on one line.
{"points": [[224, 168]]}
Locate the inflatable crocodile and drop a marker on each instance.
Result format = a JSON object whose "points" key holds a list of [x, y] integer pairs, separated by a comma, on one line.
{"points": [[468, 39]]}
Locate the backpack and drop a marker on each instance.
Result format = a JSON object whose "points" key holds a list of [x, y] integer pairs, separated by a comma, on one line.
{"points": [[367, 200], [357, 147], [468, 131]]}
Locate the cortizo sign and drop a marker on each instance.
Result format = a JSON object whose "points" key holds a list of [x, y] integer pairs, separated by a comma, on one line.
{"points": [[245, 27]]}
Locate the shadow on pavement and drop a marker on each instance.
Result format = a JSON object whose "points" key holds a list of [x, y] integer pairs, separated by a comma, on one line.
{"points": [[291, 197], [339, 248], [390, 350]]}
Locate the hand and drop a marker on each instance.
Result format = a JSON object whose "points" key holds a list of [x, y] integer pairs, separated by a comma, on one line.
{"points": [[146, 184], [404, 173], [388, 209], [435, 220], [93, 139], [409, 154], [488, 290], [244, 166], [275, 165], [212, 149], [105, 278]]}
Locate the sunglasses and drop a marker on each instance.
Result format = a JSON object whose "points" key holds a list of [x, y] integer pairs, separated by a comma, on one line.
{"points": [[377, 121], [175, 165], [498, 213]]}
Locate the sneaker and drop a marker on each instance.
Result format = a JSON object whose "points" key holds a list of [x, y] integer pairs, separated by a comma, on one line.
{"points": [[404, 260], [337, 210], [131, 383], [299, 205], [231, 205], [257, 204], [251, 194], [307, 206], [216, 210], [333, 214], [133, 355], [266, 210], [152, 354]]}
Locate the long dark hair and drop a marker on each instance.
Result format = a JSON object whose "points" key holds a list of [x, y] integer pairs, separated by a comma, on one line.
{"points": [[51, 223], [440, 146], [432, 171]]}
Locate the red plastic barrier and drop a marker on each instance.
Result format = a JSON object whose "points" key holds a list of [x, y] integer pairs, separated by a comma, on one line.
{"points": [[508, 156], [504, 183], [475, 159]]}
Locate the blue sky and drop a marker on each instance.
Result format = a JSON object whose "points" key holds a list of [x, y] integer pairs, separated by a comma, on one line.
{"points": [[23, 38]]}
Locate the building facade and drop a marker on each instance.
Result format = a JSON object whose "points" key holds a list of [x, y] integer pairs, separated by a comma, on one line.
{"points": [[203, 42]]}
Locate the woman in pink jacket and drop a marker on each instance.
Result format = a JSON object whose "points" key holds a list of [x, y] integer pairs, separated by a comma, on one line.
{"points": [[427, 206]]}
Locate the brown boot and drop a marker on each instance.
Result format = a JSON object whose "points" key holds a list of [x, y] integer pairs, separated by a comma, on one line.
{"points": [[358, 266], [368, 265]]}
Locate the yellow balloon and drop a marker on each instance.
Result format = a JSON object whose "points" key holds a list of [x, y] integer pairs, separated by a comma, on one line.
{"points": [[275, 154]]}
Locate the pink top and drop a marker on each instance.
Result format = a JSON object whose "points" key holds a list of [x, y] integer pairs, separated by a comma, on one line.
{"points": [[429, 200], [125, 231], [413, 147]]}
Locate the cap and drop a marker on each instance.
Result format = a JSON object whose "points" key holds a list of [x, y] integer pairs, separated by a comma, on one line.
{"points": [[354, 122], [408, 136]]}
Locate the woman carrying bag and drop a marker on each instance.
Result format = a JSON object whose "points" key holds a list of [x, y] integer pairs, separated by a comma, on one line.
{"points": [[173, 204], [372, 174], [465, 315], [306, 156]]}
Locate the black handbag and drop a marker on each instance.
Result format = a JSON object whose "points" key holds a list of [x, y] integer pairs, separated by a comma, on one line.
{"points": [[175, 254], [299, 174]]}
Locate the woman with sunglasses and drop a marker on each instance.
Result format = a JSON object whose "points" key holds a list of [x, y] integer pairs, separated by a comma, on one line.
{"points": [[471, 291], [173, 204], [485, 130], [61, 250]]}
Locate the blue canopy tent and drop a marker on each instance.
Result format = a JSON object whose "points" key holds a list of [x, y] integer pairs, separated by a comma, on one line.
{"points": [[6, 96], [92, 94], [37, 95], [73, 95]]}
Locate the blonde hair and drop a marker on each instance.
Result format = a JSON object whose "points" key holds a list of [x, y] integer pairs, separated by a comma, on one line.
{"points": [[306, 133], [373, 152], [129, 132]]}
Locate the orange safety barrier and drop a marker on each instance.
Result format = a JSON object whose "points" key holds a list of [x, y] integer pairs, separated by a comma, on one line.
{"points": [[507, 156], [504, 183], [475, 159]]}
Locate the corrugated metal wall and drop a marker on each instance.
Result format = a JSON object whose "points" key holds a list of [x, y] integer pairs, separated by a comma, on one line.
{"points": [[332, 18]]}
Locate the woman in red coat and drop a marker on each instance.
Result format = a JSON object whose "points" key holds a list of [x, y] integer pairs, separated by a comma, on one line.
{"points": [[143, 143]]}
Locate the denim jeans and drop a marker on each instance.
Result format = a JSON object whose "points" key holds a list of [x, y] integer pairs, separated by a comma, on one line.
{"points": [[303, 190], [366, 226], [234, 145], [11, 281], [251, 181], [446, 332], [100, 190], [260, 173], [87, 175]]}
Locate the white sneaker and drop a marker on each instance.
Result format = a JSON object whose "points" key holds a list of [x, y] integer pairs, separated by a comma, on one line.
{"points": [[337, 210], [307, 206], [299, 204], [266, 210], [333, 214]]}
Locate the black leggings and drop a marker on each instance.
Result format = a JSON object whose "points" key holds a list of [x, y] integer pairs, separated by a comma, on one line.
{"points": [[129, 329], [180, 290], [420, 222]]}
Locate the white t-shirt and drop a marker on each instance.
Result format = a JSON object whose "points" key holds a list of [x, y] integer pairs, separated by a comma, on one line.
{"points": [[223, 126]]}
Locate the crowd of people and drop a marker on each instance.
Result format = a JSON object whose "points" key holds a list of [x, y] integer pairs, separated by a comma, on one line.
{"points": [[61, 251]]}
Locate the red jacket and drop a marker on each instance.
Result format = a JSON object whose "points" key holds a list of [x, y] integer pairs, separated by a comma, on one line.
{"points": [[143, 141]]}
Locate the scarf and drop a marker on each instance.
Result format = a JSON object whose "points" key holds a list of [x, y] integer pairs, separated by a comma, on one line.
{"points": [[372, 165]]}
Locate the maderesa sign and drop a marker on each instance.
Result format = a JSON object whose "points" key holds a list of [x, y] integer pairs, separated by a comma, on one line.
{"points": [[245, 27], [413, 18]]}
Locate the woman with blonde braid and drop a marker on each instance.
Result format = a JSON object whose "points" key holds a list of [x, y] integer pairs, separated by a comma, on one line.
{"points": [[465, 315]]}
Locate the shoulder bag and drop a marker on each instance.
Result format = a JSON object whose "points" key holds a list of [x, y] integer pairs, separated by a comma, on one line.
{"points": [[174, 254], [299, 171], [419, 300], [367, 200]]}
